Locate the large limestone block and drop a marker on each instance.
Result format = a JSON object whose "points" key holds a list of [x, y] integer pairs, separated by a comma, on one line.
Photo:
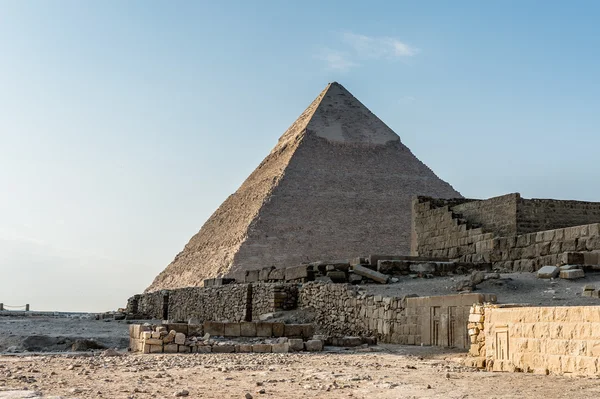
{"points": [[223, 349], [264, 330], [548, 272], [313, 345], [261, 348], [248, 329], [214, 328], [370, 274], [572, 274], [231, 329]]}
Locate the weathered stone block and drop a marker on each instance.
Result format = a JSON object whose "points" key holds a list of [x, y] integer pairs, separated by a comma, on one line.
{"points": [[243, 348], [572, 274], [178, 327], [277, 274], [308, 330], [313, 345], [184, 349], [195, 330], [179, 338], [296, 344], [370, 274], [153, 341], [155, 349], [293, 330], [280, 348], [337, 276], [296, 272], [278, 329], [231, 329], [548, 272], [261, 348], [264, 329], [223, 348], [203, 349], [170, 348], [214, 328], [248, 329], [146, 335]]}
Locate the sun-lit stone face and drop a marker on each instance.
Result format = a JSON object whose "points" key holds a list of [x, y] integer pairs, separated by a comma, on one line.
{"points": [[341, 118]]}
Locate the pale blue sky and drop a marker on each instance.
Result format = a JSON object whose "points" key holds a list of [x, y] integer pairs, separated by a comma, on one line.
{"points": [[124, 125]]}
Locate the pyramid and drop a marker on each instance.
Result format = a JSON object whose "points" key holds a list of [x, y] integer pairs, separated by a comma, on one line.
{"points": [[338, 184]]}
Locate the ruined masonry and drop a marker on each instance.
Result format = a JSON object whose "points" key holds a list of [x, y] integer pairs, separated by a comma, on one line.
{"points": [[338, 184]]}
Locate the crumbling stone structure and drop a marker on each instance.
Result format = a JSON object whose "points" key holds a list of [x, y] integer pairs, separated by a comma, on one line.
{"points": [[498, 231], [343, 310], [231, 302]]}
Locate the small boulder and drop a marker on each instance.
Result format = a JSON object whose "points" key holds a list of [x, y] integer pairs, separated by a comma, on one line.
{"points": [[82, 345], [548, 272]]}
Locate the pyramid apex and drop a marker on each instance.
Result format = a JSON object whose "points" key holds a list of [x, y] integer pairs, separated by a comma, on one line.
{"points": [[340, 117]]}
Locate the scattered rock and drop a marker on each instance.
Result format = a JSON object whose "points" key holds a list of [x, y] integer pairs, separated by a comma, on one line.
{"points": [[183, 392], [82, 345]]}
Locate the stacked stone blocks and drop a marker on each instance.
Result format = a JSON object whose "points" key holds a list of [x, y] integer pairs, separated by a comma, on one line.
{"points": [[188, 338]]}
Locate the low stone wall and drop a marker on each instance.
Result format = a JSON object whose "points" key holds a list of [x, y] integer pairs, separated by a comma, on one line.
{"points": [[228, 302], [344, 310], [539, 339], [231, 302], [216, 337], [269, 298], [150, 305]]}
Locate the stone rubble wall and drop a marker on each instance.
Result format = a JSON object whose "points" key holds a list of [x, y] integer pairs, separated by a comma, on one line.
{"points": [[343, 310], [440, 232], [269, 298], [150, 304], [558, 340], [231, 302], [216, 337], [228, 302]]}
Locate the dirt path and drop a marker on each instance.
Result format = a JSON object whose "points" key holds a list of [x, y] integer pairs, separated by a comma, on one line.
{"points": [[390, 374]]}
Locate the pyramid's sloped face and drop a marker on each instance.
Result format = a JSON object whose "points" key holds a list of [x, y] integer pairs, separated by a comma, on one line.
{"points": [[338, 202], [341, 118], [338, 184]]}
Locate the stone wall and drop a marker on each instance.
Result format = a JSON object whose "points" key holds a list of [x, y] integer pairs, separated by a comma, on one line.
{"points": [[345, 310], [547, 214], [268, 298], [441, 232], [497, 215], [223, 303], [230, 302], [542, 339], [150, 305]]}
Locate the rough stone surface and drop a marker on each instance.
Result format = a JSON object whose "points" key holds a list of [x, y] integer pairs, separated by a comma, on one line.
{"points": [[572, 274], [362, 180], [548, 272]]}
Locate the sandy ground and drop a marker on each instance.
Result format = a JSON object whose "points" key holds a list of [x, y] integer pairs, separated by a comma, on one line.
{"points": [[510, 288], [14, 332], [397, 372]]}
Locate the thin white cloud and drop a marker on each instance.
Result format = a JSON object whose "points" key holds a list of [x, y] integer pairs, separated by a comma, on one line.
{"points": [[359, 48], [336, 60], [378, 47]]}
